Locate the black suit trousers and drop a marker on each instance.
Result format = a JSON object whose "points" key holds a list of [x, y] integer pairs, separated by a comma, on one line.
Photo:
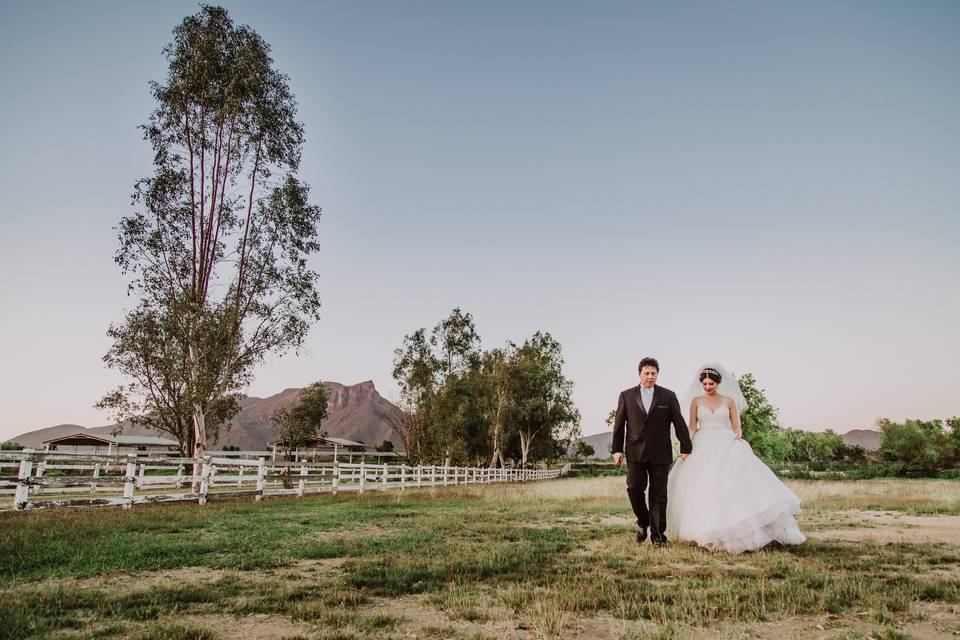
{"points": [[638, 474]]}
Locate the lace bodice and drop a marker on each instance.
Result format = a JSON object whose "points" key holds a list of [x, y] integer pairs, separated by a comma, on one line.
{"points": [[710, 419]]}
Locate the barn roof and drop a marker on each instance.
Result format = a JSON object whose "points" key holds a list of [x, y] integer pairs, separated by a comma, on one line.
{"points": [[101, 439]]}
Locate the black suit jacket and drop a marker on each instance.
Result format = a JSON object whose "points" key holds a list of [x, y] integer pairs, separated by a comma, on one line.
{"points": [[647, 436]]}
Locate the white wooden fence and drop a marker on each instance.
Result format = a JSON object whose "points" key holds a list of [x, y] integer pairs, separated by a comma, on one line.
{"points": [[49, 479]]}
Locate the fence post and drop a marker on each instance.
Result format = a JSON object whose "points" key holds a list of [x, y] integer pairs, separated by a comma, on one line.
{"points": [[179, 475], [204, 480], [96, 474], [386, 472], [303, 481], [240, 476], [41, 467], [403, 477], [363, 475], [128, 484], [336, 477], [433, 475], [419, 476], [140, 475], [23, 484], [261, 477]]}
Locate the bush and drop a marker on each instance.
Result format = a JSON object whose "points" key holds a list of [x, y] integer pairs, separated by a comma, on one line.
{"points": [[920, 446]]}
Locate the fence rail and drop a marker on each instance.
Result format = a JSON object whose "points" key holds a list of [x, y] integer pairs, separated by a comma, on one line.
{"points": [[51, 480]]}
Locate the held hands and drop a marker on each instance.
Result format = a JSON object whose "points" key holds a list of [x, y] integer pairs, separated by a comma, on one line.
{"points": [[683, 456], [617, 458]]}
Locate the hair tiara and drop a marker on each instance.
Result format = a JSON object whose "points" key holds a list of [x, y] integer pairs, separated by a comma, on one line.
{"points": [[708, 370]]}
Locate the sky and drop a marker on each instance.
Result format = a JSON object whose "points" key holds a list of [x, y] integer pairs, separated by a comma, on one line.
{"points": [[770, 185]]}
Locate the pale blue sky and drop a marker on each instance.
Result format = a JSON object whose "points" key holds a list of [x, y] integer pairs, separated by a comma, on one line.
{"points": [[771, 185]]}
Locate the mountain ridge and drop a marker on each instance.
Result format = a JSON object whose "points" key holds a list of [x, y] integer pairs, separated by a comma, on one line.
{"points": [[355, 412]]}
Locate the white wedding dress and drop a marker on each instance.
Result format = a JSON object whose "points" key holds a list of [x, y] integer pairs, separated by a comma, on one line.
{"points": [[724, 497]]}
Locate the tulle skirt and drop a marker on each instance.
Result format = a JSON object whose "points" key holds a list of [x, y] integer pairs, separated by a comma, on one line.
{"points": [[724, 497]]}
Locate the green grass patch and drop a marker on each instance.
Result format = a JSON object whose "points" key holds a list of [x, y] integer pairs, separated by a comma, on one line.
{"points": [[542, 555]]}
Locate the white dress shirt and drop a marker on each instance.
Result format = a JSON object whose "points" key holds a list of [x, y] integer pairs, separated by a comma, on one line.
{"points": [[646, 396]]}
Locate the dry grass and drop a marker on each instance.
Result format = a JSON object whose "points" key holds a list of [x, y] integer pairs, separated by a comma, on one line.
{"points": [[908, 496]]}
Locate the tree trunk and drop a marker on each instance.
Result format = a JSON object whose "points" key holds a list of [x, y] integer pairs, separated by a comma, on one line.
{"points": [[497, 423], [524, 449], [200, 442]]}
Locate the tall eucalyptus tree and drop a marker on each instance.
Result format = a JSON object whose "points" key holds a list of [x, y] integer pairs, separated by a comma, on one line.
{"points": [[217, 246]]}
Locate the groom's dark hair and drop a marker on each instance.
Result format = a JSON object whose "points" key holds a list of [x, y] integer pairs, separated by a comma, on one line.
{"points": [[648, 362]]}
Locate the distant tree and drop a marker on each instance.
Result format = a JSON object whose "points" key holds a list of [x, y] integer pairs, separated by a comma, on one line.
{"points": [[439, 392], [807, 446], [219, 241], [953, 437], [11, 445], [299, 425], [760, 425], [850, 453], [385, 446], [543, 408], [584, 450], [462, 404], [923, 446]]}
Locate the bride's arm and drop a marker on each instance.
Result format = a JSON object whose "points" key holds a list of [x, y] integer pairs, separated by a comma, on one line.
{"points": [[693, 417], [735, 418]]}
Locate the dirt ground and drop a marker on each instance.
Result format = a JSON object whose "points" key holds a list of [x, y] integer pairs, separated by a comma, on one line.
{"points": [[888, 526]]}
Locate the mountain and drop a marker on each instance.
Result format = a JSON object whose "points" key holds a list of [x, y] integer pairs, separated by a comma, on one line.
{"points": [[599, 441], [32, 439], [355, 412], [869, 439]]}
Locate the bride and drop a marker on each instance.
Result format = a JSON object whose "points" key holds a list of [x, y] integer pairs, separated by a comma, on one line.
{"points": [[722, 496]]}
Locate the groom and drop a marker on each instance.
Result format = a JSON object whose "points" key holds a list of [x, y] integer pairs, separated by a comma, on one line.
{"points": [[647, 412]]}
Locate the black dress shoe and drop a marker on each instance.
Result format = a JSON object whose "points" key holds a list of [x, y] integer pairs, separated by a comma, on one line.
{"points": [[641, 534], [660, 543]]}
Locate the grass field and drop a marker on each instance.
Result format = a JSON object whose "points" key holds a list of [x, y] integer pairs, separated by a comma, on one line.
{"points": [[543, 560]]}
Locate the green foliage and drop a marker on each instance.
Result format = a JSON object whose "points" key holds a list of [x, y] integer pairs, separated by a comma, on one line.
{"points": [[584, 450], [807, 446], [759, 421], [148, 347], [385, 446], [773, 444], [953, 436], [299, 425], [468, 406], [920, 446], [850, 453], [11, 445], [541, 401], [440, 391]]}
